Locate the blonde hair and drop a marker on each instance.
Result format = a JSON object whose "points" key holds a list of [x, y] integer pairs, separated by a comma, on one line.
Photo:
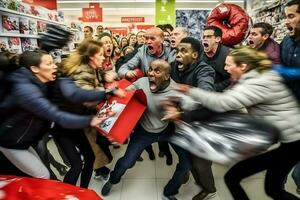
{"points": [[252, 58], [81, 56]]}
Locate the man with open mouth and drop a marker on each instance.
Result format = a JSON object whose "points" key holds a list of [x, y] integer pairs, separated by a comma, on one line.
{"points": [[189, 69], [290, 57], [152, 49], [260, 39], [158, 86], [214, 53], [177, 34]]}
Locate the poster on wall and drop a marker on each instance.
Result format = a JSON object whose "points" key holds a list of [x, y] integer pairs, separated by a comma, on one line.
{"points": [[193, 20], [165, 12]]}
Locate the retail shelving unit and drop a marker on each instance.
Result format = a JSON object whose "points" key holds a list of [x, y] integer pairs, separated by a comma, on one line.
{"points": [[19, 31], [271, 12]]}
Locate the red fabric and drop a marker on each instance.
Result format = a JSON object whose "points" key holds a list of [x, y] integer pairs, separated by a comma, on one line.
{"points": [[21, 188], [134, 104], [236, 23]]}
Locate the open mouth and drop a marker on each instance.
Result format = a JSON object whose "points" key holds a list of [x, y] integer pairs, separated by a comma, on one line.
{"points": [[152, 85], [250, 42], [290, 28], [150, 48], [173, 42], [54, 75], [205, 45], [179, 64]]}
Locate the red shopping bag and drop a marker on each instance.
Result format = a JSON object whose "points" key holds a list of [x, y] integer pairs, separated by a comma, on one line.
{"points": [[128, 111], [24, 188]]}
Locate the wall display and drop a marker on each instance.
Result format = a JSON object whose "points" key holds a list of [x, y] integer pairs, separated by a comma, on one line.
{"points": [[14, 44], [193, 20], [22, 20], [28, 44], [272, 13], [41, 27], [10, 24], [3, 43]]}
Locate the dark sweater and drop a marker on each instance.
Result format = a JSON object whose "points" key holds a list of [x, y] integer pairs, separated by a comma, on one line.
{"points": [[23, 124], [200, 75], [218, 62]]}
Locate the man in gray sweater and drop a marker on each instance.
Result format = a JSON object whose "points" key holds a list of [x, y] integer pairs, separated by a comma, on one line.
{"points": [[152, 50], [158, 86]]}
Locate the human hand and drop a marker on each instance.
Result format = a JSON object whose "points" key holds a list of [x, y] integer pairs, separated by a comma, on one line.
{"points": [[183, 88], [131, 74], [119, 92], [171, 111], [110, 76]]}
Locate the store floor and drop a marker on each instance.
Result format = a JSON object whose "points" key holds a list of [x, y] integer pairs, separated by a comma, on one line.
{"points": [[145, 181]]}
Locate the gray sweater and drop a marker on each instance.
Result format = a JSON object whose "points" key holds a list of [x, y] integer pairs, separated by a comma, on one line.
{"points": [[143, 58], [151, 119], [264, 95]]}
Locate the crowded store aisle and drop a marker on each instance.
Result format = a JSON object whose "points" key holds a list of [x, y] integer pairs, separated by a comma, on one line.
{"points": [[145, 181]]}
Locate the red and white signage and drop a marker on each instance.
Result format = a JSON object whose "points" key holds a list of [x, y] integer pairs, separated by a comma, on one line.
{"points": [[92, 14], [132, 19]]}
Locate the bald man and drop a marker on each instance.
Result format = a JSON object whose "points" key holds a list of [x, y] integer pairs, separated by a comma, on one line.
{"points": [[157, 87], [152, 49], [177, 35]]}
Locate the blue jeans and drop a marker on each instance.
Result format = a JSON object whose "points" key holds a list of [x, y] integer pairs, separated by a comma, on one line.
{"points": [[296, 174], [138, 142]]}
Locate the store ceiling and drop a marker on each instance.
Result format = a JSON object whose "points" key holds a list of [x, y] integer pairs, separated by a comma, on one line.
{"points": [[114, 9]]}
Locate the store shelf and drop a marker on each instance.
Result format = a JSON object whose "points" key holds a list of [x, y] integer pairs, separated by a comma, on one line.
{"points": [[19, 35], [30, 16]]}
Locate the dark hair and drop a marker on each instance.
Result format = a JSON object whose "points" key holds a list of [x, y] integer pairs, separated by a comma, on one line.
{"points": [[294, 2], [217, 31], [140, 32], [31, 58], [196, 45], [164, 27], [266, 28], [103, 35], [89, 27], [9, 61], [168, 26]]}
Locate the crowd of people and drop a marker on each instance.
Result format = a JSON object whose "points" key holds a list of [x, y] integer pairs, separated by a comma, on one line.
{"points": [[40, 98]]}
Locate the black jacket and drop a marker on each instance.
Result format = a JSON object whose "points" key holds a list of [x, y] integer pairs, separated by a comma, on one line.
{"points": [[199, 75], [23, 123], [218, 62]]}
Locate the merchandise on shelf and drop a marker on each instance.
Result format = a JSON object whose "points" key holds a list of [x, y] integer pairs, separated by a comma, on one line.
{"points": [[41, 27], [29, 44], [33, 27], [3, 43], [14, 44], [10, 24]]}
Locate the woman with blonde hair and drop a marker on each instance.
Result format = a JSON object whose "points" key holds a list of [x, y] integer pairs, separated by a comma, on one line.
{"points": [[83, 67], [262, 92]]}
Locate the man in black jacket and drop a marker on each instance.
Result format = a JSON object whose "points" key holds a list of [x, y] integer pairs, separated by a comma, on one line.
{"points": [[189, 69], [214, 53]]}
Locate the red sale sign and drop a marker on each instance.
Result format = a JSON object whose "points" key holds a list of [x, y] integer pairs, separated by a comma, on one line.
{"points": [[92, 14], [132, 19]]}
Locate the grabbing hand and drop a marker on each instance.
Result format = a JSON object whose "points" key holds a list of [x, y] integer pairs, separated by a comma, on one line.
{"points": [[131, 74], [119, 93], [183, 88], [97, 120], [110, 76], [171, 111]]}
